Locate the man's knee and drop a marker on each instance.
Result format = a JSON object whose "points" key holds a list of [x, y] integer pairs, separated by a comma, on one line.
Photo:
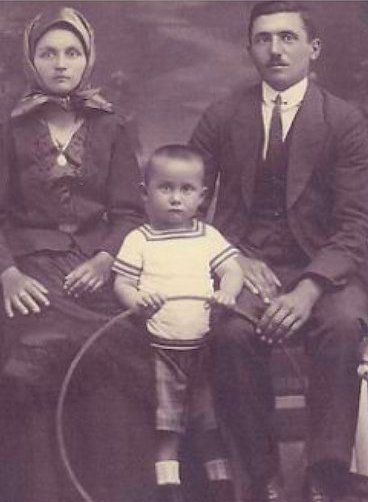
{"points": [[338, 330], [236, 347], [233, 331]]}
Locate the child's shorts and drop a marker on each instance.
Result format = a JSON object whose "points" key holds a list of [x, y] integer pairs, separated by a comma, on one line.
{"points": [[183, 392]]}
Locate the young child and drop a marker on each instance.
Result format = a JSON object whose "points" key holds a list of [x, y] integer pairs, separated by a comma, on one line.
{"points": [[160, 270], [359, 462]]}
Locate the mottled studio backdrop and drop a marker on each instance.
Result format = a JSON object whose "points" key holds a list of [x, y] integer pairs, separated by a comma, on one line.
{"points": [[163, 62]]}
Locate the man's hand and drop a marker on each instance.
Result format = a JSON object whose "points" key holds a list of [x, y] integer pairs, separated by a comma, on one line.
{"points": [[287, 313], [148, 304], [22, 293], [90, 275], [259, 278]]}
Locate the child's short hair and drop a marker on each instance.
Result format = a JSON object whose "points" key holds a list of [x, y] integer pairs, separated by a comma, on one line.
{"points": [[173, 151]]}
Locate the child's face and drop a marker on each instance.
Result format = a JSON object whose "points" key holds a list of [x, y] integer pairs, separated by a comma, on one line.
{"points": [[174, 192]]}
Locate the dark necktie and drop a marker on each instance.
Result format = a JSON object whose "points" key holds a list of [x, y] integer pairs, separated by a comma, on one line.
{"points": [[275, 143]]}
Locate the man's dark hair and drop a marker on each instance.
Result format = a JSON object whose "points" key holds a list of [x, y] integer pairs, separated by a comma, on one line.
{"points": [[277, 6], [174, 151]]}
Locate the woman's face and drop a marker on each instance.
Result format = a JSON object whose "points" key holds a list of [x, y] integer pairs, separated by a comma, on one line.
{"points": [[60, 60]]}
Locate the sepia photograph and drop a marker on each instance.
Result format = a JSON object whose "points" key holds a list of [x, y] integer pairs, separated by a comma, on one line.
{"points": [[184, 251]]}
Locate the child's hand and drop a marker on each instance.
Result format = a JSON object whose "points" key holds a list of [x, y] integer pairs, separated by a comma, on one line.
{"points": [[223, 298], [363, 370], [148, 304]]}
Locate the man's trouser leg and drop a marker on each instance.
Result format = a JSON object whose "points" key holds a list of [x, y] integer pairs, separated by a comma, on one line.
{"points": [[244, 391], [332, 338]]}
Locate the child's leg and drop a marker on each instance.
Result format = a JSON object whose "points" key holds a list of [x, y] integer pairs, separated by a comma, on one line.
{"points": [[213, 454], [208, 438], [167, 467], [167, 457], [170, 393]]}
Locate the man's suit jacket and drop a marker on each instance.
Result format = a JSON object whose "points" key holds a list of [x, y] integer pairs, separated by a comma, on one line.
{"points": [[327, 179]]}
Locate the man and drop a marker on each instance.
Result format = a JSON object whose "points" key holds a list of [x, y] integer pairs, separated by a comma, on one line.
{"points": [[292, 162]]}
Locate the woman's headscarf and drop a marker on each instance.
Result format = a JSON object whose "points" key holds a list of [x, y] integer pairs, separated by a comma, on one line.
{"points": [[83, 96]]}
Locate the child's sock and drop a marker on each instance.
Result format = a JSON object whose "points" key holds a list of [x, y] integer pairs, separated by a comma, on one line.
{"points": [[217, 469], [168, 481], [167, 472]]}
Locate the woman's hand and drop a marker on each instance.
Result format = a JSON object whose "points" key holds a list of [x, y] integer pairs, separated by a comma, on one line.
{"points": [[90, 275], [22, 293]]}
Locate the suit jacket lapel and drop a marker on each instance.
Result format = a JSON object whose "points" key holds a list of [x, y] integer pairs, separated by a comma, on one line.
{"points": [[306, 142], [247, 136]]}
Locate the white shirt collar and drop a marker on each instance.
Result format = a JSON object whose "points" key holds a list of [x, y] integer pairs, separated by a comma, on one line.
{"points": [[292, 96]]}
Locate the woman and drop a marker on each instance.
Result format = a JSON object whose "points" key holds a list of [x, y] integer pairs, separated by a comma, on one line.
{"points": [[68, 195]]}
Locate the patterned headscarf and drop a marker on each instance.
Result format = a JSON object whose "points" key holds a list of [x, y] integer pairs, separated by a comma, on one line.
{"points": [[83, 96]]}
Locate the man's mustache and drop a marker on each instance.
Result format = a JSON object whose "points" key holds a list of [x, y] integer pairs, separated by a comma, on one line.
{"points": [[276, 61]]}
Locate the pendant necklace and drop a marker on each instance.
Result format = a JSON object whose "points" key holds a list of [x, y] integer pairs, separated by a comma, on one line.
{"points": [[61, 146], [60, 159]]}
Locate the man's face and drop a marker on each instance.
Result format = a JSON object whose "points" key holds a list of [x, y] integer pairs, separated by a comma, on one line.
{"points": [[281, 50]]}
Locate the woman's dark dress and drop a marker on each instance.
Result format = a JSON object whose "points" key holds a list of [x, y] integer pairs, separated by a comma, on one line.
{"points": [[109, 419]]}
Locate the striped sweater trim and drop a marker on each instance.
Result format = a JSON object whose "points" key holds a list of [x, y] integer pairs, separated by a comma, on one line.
{"points": [[151, 234], [123, 268], [159, 342], [227, 253]]}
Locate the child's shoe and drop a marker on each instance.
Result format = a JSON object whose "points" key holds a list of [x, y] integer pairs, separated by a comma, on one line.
{"points": [[221, 490], [170, 493]]}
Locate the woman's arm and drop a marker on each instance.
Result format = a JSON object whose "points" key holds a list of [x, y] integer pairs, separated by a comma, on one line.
{"points": [[6, 157], [21, 293], [124, 201], [124, 212]]}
